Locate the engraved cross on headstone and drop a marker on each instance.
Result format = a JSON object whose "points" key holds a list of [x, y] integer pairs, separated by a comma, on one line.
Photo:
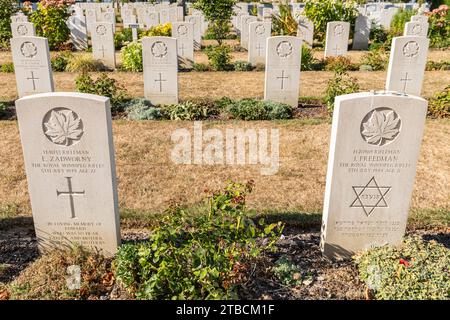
{"points": [[336, 49], [259, 47], [182, 48], [103, 51], [160, 80], [32, 79], [405, 81], [282, 79], [70, 193]]}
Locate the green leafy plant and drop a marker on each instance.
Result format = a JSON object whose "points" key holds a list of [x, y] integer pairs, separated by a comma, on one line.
{"points": [[7, 67], [242, 66], [252, 109], [50, 21], [201, 67], [418, 270], [341, 83], [141, 109], [377, 59], [219, 57], [189, 110], [60, 61], [284, 22], [308, 60], [320, 12], [7, 9], [161, 30], [218, 14], [439, 106], [84, 63], [287, 272], [3, 109], [132, 57], [102, 86], [399, 20], [197, 256], [379, 37], [442, 65], [339, 64], [122, 37]]}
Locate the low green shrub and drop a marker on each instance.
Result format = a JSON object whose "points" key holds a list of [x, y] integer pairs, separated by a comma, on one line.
{"points": [[219, 57], [141, 109], [132, 57], [441, 65], [102, 86], [377, 59], [7, 67], [439, 106], [84, 63], [189, 110], [201, 256], [287, 272], [122, 37], [418, 270], [308, 60], [339, 64], [60, 61], [242, 66], [341, 83], [3, 109], [161, 30], [378, 36], [201, 67], [252, 109]]}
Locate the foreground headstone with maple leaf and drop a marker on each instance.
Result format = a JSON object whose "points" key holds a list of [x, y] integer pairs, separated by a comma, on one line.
{"points": [[69, 161], [375, 144]]}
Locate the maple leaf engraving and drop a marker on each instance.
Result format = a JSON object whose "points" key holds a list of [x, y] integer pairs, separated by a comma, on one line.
{"points": [[381, 127], [63, 127]]}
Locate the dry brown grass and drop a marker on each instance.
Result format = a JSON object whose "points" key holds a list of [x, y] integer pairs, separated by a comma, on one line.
{"points": [[236, 85], [148, 180]]}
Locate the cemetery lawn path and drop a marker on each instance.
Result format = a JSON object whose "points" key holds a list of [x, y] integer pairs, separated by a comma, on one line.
{"points": [[235, 85], [148, 180]]}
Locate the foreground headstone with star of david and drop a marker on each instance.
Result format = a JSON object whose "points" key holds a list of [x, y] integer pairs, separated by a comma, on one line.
{"points": [[160, 62], [407, 64], [282, 77], [375, 144], [32, 68], [69, 161]]}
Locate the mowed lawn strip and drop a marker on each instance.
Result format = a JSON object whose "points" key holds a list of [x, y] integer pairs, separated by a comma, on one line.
{"points": [[149, 181]]}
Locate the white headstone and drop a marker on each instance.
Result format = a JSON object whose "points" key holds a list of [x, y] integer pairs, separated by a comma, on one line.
{"points": [[103, 43], [337, 38], [160, 69], [184, 33], [22, 29], [282, 79], [245, 21], [196, 20], [32, 66], [306, 31], [362, 32], [416, 28], [151, 19], [91, 18], [375, 143], [109, 16], [20, 17], [78, 32], [407, 64], [386, 17], [420, 18], [69, 160], [258, 34]]}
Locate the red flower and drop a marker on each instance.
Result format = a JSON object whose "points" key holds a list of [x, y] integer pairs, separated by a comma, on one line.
{"points": [[404, 262]]}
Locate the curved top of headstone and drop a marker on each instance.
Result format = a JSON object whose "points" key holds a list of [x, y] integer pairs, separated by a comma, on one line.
{"points": [[376, 94], [76, 95]]}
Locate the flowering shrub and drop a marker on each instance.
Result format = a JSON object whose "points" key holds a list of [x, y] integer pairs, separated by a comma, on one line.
{"points": [[132, 57], [161, 30], [417, 270], [439, 32], [50, 21]]}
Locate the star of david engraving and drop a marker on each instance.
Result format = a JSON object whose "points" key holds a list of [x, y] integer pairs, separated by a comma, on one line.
{"points": [[370, 196]]}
